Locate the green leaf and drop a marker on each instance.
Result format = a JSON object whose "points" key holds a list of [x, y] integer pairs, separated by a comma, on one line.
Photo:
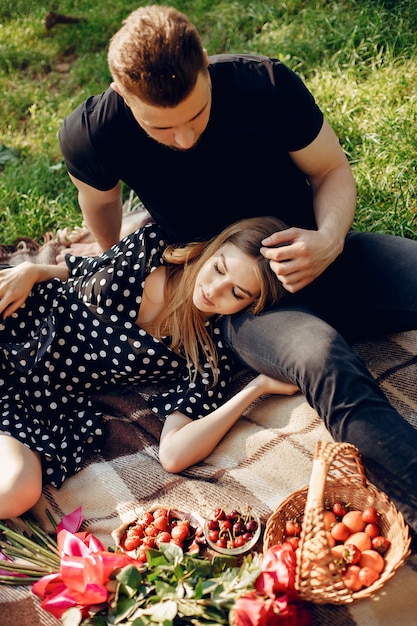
{"points": [[177, 589], [163, 588], [204, 568], [170, 551], [125, 608], [195, 591], [164, 611], [140, 622], [130, 576], [96, 620], [190, 608], [159, 557]]}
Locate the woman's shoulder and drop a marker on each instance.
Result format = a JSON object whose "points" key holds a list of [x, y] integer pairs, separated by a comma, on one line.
{"points": [[150, 234], [142, 248]]}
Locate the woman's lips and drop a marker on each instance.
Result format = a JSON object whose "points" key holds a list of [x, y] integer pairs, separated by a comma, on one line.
{"points": [[205, 299]]}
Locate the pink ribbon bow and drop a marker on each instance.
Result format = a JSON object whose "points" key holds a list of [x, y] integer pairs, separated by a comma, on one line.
{"points": [[86, 568]]}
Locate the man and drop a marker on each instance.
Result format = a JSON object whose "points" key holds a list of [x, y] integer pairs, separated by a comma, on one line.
{"points": [[205, 141]]}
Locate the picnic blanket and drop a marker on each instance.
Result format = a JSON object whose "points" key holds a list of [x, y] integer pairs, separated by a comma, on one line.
{"points": [[265, 457]]}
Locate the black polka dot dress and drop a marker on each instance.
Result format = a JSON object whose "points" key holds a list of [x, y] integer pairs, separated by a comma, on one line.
{"points": [[72, 339]]}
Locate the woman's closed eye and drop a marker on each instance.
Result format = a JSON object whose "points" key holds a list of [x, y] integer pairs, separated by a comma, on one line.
{"points": [[222, 272], [217, 268]]}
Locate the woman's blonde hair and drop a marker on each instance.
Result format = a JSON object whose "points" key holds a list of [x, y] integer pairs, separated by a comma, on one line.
{"points": [[180, 319], [157, 55]]}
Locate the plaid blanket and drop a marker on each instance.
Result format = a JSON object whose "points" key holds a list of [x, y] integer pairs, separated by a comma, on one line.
{"points": [[265, 457]]}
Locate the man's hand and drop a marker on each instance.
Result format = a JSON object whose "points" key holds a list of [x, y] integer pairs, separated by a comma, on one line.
{"points": [[79, 249], [299, 256]]}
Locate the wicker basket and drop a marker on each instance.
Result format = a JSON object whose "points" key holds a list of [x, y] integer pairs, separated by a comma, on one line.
{"points": [[337, 475]]}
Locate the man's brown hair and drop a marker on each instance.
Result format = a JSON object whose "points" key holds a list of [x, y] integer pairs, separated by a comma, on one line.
{"points": [[157, 55]]}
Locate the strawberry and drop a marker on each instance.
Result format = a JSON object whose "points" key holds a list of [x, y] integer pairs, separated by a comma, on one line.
{"points": [[373, 530], [367, 576], [147, 518], [339, 509], [151, 531], [161, 523], [148, 542], [163, 537], [180, 532], [292, 528], [369, 515], [380, 544], [131, 543], [138, 530], [351, 553]]}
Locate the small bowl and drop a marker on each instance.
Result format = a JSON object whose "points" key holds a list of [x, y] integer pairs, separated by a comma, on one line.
{"points": [[244, 516], [194, 542]]}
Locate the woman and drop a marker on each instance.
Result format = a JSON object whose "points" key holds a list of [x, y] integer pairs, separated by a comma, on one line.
{"points": [[140, 313]]}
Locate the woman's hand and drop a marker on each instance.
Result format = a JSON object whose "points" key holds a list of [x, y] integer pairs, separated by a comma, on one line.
{"points": [[268, 385], [17, 282]]}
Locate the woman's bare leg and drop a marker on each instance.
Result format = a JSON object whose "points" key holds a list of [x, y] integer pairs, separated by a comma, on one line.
{"points": [[20, 477]]}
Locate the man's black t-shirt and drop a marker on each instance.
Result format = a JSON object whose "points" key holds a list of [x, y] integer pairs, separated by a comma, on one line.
{"points": [[239, 168]]}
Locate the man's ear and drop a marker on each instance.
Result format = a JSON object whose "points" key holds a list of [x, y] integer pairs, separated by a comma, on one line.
{"points": [[119, 91], [206, 57], [116, 88]]}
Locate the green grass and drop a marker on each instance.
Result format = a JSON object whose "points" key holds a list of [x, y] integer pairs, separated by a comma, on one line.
{"points": [[358, 57]]}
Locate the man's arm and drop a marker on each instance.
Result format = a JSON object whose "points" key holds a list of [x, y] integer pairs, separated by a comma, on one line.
{"points": [[334, 188], [307, 253], [102, 213]]}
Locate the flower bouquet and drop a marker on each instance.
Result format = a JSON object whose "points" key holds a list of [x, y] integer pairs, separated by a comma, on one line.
{"points": [[82, 583]]}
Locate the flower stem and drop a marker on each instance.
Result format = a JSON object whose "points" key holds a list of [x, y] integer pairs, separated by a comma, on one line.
{"points": [[39, 551]]}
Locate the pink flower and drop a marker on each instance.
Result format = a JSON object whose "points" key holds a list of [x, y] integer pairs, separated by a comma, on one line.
{"points": [[278, 572], [71, 522], [253, 609], [275, 601], [293, 613]]}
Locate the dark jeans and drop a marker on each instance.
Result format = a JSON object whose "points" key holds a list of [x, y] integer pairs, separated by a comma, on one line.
{"points": [[371, 290]]}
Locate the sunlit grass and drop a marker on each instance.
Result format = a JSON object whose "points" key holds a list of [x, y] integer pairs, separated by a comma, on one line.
{"points": [[377, 130], [358, 57]]}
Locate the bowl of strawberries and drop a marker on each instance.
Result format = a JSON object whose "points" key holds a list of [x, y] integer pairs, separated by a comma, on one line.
{"points": [[160, 525]]}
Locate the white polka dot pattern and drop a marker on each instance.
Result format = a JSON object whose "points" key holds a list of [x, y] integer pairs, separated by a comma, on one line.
{"points": [[73, 339]]}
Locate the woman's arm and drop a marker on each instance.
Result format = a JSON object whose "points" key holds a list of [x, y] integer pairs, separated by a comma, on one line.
{"points": [[185, 442], [17, 282]]}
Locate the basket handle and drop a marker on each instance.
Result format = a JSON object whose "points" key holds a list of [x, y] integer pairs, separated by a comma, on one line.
{"points": [[348, 468]]}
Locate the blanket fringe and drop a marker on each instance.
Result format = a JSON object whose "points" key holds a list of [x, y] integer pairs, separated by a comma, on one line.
{"points": [[28, 249]]}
